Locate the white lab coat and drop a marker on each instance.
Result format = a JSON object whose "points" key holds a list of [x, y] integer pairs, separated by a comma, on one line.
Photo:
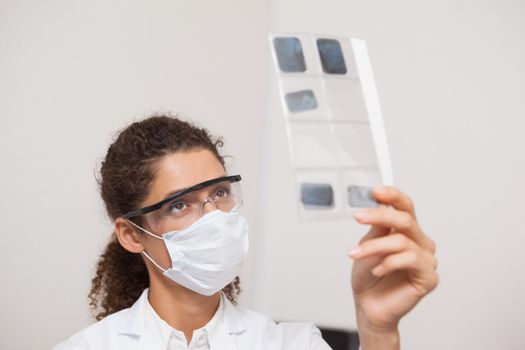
{"points": [[237, 329]]}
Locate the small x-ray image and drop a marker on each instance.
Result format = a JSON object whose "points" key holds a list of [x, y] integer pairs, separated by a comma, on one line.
{"points": [[304, 98], [361, 197], [317, 195], [289, 54], [301, 101], [331, 55]]}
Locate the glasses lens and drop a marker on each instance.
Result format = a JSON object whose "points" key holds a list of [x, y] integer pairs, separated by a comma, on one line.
{"points": [[225, 195], [184, 211]]}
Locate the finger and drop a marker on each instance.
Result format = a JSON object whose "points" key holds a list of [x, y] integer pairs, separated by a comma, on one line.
{"points": [[394, 197], [393, 243], [419, 265], [400, 221]]}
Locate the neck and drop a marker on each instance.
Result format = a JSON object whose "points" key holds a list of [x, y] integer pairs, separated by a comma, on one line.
{"points": [[181, 308]]}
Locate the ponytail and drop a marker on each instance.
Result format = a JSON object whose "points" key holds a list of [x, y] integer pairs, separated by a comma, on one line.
{"points": [[120, 279]]}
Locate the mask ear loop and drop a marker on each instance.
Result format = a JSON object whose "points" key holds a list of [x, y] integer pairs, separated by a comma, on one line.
{"points": [[144, 252], [143, 229], [153, 261]]}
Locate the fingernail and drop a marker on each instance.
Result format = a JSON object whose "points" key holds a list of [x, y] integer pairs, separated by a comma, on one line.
{"points": [[361, 215], [355, 252], [380, 190]]}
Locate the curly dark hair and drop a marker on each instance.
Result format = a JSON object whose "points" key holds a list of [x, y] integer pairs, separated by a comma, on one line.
{"points": [[125, 176]]}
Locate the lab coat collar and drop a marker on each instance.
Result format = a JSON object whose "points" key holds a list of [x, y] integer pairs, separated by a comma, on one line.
{"points": [[232, 317], [134, 322], [231, 324]]}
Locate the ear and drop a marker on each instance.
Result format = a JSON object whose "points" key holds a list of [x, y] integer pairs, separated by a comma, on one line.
{"points": [[128, 237]]}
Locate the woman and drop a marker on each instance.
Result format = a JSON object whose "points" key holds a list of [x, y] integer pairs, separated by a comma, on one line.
{"points": [[168, 277]]}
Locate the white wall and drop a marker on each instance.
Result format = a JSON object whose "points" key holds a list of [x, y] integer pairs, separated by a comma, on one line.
{"points": [[451, 82], [450, 77]]}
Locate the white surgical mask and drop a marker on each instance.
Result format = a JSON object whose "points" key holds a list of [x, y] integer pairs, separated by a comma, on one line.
{"points": [[207, 255]]}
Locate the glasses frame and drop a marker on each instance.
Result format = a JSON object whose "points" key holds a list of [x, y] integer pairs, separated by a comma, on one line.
{"points": [[153, 207]]}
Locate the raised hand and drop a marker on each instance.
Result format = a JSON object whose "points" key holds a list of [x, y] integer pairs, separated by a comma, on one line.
{"points": [[394, 268]]}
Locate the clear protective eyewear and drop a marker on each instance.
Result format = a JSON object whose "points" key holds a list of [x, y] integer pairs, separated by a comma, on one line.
{"points": [[183, 208]]}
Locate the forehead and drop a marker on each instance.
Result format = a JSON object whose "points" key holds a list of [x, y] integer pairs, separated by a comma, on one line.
{"points": [[181, 170]]}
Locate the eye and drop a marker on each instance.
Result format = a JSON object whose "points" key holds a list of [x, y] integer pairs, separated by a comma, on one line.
{"points": [[176, 207], [221, 193]]}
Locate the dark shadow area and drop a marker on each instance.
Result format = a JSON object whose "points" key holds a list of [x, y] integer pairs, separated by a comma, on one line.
{"points": [[340, 339]]}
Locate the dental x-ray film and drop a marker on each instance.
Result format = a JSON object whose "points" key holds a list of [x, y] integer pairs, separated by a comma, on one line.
{"points": [[333, 120]]}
